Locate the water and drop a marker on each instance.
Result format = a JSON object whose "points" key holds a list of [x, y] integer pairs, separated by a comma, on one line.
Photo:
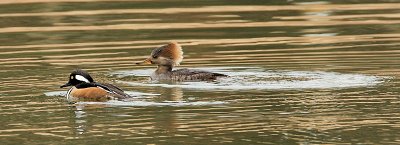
{"points": [[302, 72], [256, 78]]}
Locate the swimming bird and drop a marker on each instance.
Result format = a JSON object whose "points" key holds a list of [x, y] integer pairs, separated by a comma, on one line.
{"points": [[85, 88], [170, 55]]}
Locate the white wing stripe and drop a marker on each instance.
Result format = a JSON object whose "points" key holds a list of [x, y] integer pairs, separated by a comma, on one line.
{"points": [[105, 89], [69, 93]]}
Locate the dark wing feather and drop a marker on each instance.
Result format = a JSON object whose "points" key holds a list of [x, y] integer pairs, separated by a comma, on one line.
{"points": [[114, 89], [187, 74], [108, 87], [85, 85]]}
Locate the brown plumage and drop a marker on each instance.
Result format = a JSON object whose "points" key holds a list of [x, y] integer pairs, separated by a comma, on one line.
{"points": [[171, 51], [187, 74], [170, 55], [92, 93]]}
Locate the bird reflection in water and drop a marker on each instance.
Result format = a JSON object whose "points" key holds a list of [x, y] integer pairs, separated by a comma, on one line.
{"points": [[166, 120]]}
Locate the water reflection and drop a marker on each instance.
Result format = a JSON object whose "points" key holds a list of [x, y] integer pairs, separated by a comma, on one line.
{"points": [[80, 119], [169, 97], [258, 78], [171, 121], [284, 47], [214, 9]]}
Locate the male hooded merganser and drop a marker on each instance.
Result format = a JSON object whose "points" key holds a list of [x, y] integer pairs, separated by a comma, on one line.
{"points": [[84, 88], [170, 55]]}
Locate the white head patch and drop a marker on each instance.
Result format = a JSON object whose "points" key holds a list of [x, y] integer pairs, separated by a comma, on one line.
{"points": [[81, 78]]}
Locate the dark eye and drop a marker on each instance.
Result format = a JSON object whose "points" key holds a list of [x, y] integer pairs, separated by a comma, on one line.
{"points": [[155, 56]]}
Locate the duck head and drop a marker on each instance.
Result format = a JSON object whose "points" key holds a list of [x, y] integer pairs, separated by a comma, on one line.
{"points": [[77, 77], [167, 55]]}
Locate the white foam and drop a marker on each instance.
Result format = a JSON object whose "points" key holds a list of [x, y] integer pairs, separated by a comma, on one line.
{"points": [[137, 102], [131, 93], [258, 78], [145, 103], [55, 93]]}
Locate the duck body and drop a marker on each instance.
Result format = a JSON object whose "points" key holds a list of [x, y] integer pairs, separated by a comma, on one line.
{"points": [[186, 75], [85, 89], [170, 55]]}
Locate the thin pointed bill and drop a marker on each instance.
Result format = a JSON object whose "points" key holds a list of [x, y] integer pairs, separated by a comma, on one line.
{"points": [[66, 85], [147, 61]]}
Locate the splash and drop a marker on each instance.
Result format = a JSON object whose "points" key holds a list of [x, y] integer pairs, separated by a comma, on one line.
{"points": [[131, 93], [146, 103], [259, 78], [139, 103]]}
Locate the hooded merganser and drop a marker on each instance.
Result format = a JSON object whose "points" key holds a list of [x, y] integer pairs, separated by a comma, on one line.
{"points": [[84, 88], [170, 55]]}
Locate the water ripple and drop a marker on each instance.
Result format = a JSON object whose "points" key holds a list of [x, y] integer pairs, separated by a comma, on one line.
{"points": [[257, 78]]}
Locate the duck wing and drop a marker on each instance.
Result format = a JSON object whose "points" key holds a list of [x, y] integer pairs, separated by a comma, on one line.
{"points": [[108, 87], [113, 89], [190, 74]]}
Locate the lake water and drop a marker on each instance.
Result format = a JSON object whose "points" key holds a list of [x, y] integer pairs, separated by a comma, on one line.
{"points": [[301, 72]]}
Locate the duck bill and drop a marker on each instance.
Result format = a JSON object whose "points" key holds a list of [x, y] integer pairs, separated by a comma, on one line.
{"points": [[146, 61], [66, 85]]}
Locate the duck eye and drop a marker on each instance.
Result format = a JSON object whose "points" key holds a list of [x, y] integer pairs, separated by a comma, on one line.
{"points": [[72, 77], [155, 56]]}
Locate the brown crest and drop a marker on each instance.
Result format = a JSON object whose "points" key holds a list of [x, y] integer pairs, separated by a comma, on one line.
{"points": [[171, 50]]}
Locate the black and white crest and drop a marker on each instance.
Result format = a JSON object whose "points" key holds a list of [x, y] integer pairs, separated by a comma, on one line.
{"points": [[81, 75]]}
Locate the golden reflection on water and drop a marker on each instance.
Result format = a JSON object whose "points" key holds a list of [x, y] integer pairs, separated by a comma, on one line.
{"points": [[222, 24], [299, 36], [56, 1], [218, 42], [211, 9], [309, 54]]}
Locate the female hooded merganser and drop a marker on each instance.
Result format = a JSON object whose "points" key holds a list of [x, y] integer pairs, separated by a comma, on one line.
{"points": [[84, 88], [170, 55]]}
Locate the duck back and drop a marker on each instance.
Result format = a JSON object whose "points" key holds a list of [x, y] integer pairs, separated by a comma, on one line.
{"points": [[188, 75]]}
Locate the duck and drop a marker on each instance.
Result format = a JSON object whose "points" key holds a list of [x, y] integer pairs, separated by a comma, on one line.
{"points": [[83, 87], [166, 57]]}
